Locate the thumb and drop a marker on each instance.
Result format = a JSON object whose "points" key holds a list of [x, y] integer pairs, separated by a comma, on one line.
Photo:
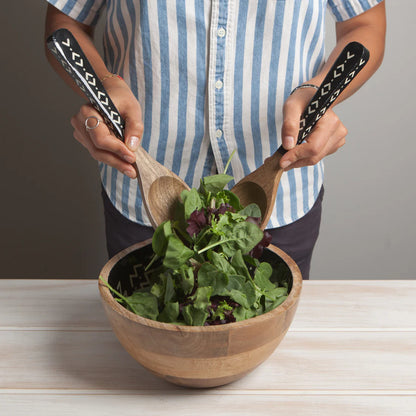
{"points": [[133, 131], [290, 127]]}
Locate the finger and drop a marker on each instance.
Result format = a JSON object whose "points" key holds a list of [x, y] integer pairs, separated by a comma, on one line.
{"points": [[309, 152], [292, 112], [338, 145], [133, 129], [319, 143], [106, 157], [290, 126], [337, 140], [101, 136], [316, 148], [311, 161], [301, 155], [104, 140]]}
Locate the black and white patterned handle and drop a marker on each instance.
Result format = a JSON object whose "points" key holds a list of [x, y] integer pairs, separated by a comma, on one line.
{"points": [[67, 51], [348, 64]]}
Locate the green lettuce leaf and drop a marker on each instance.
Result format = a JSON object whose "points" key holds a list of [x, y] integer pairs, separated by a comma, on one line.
{"points": [[177, 253]]}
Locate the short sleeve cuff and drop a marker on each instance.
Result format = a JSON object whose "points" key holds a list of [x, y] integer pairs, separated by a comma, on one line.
{"points": [[347, 9], [83, 11]]}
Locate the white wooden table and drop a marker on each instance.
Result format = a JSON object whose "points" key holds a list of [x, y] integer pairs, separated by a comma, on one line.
{"points": [[351, 350]]}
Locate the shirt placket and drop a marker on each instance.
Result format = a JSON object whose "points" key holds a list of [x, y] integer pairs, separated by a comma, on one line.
{"points": [[216, 79]]}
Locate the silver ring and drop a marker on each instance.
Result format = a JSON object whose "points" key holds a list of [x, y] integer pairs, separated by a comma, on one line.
{"points": [[97, 122]]}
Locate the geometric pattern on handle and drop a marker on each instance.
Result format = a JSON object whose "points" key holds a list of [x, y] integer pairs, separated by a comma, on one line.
{"points": [[67, 51], [348, 64]]}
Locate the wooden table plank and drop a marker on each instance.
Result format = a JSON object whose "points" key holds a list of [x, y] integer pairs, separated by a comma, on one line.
{"points": [[357, 304], [51, 303], [304, 360], [350, 351], [205, 404], [324, 305]]}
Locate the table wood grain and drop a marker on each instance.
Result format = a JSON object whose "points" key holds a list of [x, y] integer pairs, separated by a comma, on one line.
{"points": [[351, 350]]}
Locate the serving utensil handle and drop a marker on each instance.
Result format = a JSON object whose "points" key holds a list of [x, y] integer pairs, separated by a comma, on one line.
{"points": [[67, 51], [349, 63]]}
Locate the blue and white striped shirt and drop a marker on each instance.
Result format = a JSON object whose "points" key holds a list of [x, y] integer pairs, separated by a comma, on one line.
{"points": [[212, 77]]}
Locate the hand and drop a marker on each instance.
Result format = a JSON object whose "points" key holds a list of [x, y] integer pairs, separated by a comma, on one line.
{"points": [[326, 138], [101, 142]]}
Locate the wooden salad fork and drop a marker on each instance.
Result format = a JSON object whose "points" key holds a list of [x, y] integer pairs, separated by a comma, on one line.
{"points": [[160, 188], [261, 185]]}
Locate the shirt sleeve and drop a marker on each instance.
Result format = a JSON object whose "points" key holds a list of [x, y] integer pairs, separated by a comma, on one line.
{"points": [[346, 9], [83, 11]]}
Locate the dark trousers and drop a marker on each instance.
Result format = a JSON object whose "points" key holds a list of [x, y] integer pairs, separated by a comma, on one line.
{"points": [[296, 239]]}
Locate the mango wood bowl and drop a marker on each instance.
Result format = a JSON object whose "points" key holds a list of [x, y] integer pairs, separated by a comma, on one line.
{"points": [[195, 356]]}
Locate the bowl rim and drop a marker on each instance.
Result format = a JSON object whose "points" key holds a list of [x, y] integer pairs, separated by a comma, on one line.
{"points": [[121, 310]]}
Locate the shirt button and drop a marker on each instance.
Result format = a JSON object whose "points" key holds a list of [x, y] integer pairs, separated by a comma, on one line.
{"points": [[218, 133], [221, 32], [218, 84]]}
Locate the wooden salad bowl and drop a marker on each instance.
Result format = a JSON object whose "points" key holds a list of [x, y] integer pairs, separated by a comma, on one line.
{"points": [[195, 356]]}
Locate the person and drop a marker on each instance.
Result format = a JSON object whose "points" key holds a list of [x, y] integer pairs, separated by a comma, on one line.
{"points": [[196, 80]]}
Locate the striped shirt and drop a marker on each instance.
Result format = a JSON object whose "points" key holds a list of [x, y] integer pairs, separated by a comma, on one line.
{"points": [[211, 77]]}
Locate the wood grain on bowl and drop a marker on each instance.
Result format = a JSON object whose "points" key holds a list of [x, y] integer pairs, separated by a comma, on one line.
{"points": [[195, 356]]}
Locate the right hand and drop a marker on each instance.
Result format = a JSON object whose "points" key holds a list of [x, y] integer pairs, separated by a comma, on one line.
{"points": [[101, 142]]}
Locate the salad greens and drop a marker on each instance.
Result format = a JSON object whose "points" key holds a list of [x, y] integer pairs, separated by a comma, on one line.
{"points": [[205, 268]]}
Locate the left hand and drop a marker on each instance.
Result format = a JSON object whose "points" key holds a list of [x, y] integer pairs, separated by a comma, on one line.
{"points": [[326, 138]]}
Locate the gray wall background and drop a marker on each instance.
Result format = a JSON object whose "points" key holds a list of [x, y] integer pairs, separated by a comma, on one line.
{"points": [[51, 218]]}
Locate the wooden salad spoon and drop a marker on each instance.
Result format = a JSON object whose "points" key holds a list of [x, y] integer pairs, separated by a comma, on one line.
{"points": [[160, 188], [261, 185]]}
